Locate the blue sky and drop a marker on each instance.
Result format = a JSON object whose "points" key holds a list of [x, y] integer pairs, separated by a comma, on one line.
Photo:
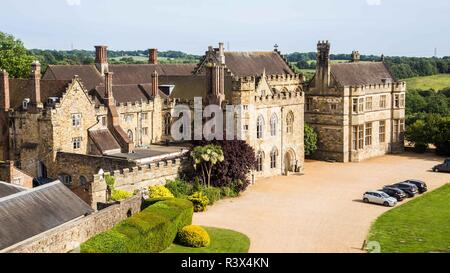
{"points": [[392, 27]]}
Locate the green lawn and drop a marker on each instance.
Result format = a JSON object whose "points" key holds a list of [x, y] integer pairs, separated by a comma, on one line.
{"points": [[436, 82], [421, 225], [222, 241]]}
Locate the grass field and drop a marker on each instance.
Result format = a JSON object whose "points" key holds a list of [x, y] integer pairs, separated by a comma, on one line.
{"points": [[421, 225], [436, 82], [222, 241]]}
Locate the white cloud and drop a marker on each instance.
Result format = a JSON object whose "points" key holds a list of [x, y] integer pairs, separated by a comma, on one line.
{"points": [[73, 2], [373, 2]]}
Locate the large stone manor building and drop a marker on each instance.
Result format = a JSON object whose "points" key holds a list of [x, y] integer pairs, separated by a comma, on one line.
{"points": [[77, 121]]}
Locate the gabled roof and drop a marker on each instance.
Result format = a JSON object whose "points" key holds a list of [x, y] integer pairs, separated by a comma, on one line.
{"points": [[104, 140], [28, 213], [361, 73], [8, 189], [23, 88], [255, 63]]}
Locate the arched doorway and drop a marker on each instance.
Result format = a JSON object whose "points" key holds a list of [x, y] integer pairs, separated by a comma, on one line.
{"points": [[289, 162]]}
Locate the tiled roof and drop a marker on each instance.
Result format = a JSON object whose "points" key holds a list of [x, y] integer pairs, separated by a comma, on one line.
{"points": [[8, 189], [28, 213], [104, 140], [254, 63], [361, 73]]}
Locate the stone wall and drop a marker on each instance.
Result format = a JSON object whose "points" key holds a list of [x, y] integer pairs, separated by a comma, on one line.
{"points": [[135, 178], [9, 173], [69, 236]]}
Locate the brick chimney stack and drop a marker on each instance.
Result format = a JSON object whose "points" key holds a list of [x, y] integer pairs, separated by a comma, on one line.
{"points": [[153, 56], [109, 99], [221, 53], [4, 90], [101, 59], [155, 84], [36, 77]]}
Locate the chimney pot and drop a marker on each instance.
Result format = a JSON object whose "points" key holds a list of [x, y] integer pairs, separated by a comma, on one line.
{"points": [[153, 56], [101, 58], [4, 90]]}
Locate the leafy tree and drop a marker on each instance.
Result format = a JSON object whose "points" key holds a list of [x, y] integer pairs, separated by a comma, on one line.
{"points": [[310, 140], [206, 157], [14, 57], [416, 133]]}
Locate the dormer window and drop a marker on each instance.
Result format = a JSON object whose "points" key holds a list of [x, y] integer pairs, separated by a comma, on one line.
{"points": [[25, 103]]}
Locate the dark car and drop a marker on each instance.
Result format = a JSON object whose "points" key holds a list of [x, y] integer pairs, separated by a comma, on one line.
{"points": [[421, 186], [444, 168], [410, 189], [394, 192]]}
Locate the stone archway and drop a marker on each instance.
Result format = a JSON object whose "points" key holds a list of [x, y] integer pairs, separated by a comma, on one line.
{"points": [[289, 162]]}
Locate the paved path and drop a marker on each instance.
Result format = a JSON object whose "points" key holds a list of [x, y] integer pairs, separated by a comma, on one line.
{"points": [[320, 211]]}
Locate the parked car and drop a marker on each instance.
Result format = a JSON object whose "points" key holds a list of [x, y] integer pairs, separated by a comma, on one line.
{"points": [[394, 192], [421, 186], [410, 189], [379, 197], [444, 167]]}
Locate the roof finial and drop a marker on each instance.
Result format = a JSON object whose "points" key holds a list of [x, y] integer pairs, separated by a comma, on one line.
{"points": [[276, 47]]}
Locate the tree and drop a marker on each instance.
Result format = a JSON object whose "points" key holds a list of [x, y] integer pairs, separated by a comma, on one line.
{"points": [[416, 133], [14, 57], [310, 140], [206, 157]]}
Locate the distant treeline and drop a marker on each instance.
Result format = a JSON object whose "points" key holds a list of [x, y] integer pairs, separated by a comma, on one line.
{"points": [[401, 67]]}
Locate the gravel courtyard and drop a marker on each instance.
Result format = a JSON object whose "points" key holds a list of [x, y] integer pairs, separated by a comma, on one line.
{"points": [[320, 211]]}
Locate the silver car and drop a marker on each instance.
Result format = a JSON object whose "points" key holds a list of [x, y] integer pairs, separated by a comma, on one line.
{"points": [[379, 197]]}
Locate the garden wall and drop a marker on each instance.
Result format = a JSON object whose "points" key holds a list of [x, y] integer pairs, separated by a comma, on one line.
{"points": [[70, 235]]}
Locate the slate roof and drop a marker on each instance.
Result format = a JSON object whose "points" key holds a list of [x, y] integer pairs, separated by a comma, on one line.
{"points": [[104, 140], [28, 213], [361, 73], [254, 63], [8, 189], [23, 88]]}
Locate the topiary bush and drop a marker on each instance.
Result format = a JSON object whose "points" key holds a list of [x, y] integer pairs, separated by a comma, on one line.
{"points": [[199, 200], [193, 236], [159, 191], [180, 188], [118, 195], [213, 194], [151, 230]]}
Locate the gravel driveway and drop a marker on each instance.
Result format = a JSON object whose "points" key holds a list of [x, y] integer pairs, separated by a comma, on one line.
{"points": [[320, 211]]}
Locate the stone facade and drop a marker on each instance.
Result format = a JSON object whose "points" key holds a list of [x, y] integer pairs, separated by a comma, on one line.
{"points": [[69, 236], [357, 109], [10, 174]]}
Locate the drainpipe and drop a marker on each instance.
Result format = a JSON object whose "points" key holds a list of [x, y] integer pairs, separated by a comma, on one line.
{"points": [[282, 136]]}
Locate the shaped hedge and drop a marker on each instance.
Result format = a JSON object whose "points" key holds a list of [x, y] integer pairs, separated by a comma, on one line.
{"points": [[152, 230]]}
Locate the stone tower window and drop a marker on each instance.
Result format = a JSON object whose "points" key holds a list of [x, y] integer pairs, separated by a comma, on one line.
{"points": [[167, 123], [290, 123], [382, 131], [369, 134], [369, 103], [76, 120], [259, 161], [76, 143], [273, 158], [259, 127], [383, 100], [273, 125]]}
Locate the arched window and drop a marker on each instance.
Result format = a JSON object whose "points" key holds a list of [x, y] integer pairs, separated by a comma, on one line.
{"points": [[167, 123], [259, 161], [290, 122], [273, 158], [83, 181], [260, 127], [130, 135], [273, 125]]}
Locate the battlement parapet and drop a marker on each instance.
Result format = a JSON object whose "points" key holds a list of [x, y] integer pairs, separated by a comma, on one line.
{"points": [[280, 98]]}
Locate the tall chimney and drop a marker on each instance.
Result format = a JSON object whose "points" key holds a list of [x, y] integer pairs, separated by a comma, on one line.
{"points": [[355, 56], [101, 59], [4, 90], [155, 84], [153, 56], [322, 78], [221, 53], [109, 98], [36, 78]]}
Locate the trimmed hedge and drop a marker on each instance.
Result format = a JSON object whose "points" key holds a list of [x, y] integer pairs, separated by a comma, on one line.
{"points": [[152, 230]]}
